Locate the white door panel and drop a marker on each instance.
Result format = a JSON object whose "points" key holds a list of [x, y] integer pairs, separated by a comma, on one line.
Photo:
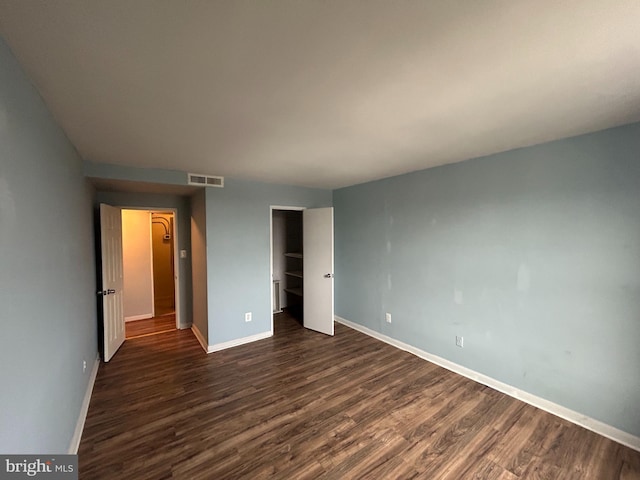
{"points": [[318, 269], [112, 279]]}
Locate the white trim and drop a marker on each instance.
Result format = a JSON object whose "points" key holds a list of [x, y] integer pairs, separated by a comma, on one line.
{"points": [[293, 209], [231, 343], [198, 334], [271, 260], [176, 269], [84, 409], [239, 341], [133, 318], [572, 416], [153, 289]]}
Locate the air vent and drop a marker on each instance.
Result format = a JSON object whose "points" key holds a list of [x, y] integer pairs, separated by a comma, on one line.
{"points": [[205, 180]]}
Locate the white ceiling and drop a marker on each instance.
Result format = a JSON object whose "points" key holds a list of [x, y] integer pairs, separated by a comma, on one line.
{"points": [[325, 93]]}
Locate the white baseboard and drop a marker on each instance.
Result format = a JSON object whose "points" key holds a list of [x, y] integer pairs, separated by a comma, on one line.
{"points": [[198, 334], [133, 318], [240, 341], [572, 416], [232, 343], [84, 409]]}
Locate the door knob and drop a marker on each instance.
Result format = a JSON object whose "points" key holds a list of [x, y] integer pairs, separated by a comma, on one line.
{"points": [[328, 275], [109, 291]]}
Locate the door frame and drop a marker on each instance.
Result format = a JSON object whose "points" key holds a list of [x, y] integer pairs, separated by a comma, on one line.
{"points": [[272, 208], [176, 253]]}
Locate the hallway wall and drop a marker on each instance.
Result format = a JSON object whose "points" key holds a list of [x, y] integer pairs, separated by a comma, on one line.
{"points": [[136, 263]]}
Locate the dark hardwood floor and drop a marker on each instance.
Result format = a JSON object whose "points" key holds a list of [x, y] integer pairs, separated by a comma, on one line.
{"points": [[303, 405], [150, 326]]}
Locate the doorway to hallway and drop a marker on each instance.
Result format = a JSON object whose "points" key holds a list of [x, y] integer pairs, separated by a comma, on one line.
{"points": [[149, 268]]}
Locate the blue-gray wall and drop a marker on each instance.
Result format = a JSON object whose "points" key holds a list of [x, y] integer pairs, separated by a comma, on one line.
{"points": [[134, 174], [47, 274], [199, 263], [533, 256], [239, 256], [160, 201]]}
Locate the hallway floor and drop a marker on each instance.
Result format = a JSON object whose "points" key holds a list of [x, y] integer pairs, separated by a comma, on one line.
{"points": [[150, 326]]}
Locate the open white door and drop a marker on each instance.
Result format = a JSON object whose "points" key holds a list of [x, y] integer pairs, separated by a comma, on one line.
{"points": [[112, 283], [317, 241]]}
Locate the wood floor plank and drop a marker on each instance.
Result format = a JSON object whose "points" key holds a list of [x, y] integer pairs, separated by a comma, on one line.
{"points": [[483, 469], [150, 326], [303, 405]]}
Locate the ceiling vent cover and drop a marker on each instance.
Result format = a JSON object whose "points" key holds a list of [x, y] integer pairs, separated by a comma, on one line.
{"points": [[205, 180]]}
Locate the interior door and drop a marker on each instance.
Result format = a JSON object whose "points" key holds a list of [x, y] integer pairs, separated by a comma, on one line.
{"points": [[317, 241], [112, 279]]}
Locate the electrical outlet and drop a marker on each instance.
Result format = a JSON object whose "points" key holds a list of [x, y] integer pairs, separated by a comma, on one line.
{"points": [[460, 341], [387, 317], [84, 366], [247, 317]]}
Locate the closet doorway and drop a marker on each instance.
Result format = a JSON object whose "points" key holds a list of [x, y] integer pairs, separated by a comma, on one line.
{"points": [[302, 266], [287, 263], [149, 269]]}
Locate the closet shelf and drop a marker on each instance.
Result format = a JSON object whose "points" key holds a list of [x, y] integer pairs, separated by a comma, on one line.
{"points": [[293, 255], [294, 291], [294, 274]]}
